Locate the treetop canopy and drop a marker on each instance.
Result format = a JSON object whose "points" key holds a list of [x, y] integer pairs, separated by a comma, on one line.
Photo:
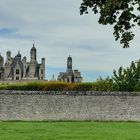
{"points": [[122, 14]]}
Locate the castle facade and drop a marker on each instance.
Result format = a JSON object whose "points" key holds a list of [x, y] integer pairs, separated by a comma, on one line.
{"points": [[70, 76], [18, 68]]}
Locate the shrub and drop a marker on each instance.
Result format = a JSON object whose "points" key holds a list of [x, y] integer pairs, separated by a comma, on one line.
{"points": [[137, 87], [103, 85], [54, 86], [81, 86]]}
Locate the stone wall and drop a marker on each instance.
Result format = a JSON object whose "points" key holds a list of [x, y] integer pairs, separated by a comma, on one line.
{"points": [[35, 105]]}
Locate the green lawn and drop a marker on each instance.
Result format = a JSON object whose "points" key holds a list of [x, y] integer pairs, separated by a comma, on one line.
{"points": [[69, 131]]}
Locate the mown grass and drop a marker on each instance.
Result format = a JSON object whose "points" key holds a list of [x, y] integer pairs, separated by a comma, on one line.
{"points": [[69, 131]]}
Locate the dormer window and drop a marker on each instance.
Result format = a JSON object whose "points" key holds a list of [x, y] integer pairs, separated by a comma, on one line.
{"points": [[17, 78], [17, 71]]}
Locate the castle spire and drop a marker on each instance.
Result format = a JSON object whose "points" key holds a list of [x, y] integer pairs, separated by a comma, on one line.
{"points": [[33, 48], [69, 63], [33, 53]]}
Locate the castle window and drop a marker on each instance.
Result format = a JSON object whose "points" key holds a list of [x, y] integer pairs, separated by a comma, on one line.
{"points": [[17, 71], [17, 78], [41, 71]]}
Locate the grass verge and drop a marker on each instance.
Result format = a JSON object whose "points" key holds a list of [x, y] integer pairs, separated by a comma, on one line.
{"points": [[69, 130]]}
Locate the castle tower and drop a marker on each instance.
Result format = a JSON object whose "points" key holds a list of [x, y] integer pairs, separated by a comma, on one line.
{"points": [[70, 75], [1, 61], [33, 64], [69, 63], [17, 67], [24, 61], [7, 65], [69, 70], [1, 68], [8, 57], [8, 54], [42, 69], [33, 53], [43, 61], [18, 56]]}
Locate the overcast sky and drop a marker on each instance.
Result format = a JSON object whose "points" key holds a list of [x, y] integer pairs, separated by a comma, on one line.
{"points": [[58, 30]]}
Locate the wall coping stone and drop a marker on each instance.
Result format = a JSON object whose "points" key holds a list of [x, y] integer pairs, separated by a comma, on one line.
{"points": [[72, 93]]}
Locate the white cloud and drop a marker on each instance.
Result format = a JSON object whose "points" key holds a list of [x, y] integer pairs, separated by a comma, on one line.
{"points": [[58, 30]]}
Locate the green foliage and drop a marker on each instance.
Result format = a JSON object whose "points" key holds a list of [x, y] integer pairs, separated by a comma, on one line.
{"points": [[100, 85], [119, 13], [127, 79], [55, 86], [103, 85], [82, 87], [137, 87], [22, 86]]}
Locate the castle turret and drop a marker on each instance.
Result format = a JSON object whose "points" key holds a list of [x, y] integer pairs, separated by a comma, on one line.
{"points": [[1, 68], [8, 57], [8, 54], [42, 69], [33, 64], [18, 56], [69, 63], [24, 61], [33, 53], [43, 61], [1, 61], [7, 66]]}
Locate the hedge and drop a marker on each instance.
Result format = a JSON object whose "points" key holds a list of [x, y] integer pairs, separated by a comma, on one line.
{"points": [[57, 86]]}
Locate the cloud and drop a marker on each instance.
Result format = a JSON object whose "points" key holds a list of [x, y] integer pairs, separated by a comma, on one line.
{"points": [[13, 33], [57, 30], [6, 31]]}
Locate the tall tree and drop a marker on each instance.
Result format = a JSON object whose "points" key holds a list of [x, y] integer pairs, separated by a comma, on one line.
{"points": [[127, 79], [120, 13]]}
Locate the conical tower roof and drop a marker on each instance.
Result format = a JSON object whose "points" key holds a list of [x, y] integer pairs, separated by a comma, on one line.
{"points": [[18, 55], [33, 48], [69, 58]]}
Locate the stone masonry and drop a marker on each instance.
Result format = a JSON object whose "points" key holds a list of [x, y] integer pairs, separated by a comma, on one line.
{"points": [[41, 105]]}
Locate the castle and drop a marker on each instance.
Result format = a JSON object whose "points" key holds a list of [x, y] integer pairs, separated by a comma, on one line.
{"points": [[70, 75], [18, 68]]}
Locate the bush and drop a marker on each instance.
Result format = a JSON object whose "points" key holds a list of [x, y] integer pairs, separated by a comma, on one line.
{"points": [[103, 85], [82, 86], [137, 87]]}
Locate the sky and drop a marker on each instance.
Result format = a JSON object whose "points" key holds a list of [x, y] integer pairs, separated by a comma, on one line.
{"points": [[57, 29]]}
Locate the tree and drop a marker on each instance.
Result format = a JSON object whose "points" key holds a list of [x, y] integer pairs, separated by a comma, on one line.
{"points": [[127, 79], [122, 14]]}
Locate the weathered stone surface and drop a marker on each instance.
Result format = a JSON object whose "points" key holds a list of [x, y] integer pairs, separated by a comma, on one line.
{"points": [[41, 105]]}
